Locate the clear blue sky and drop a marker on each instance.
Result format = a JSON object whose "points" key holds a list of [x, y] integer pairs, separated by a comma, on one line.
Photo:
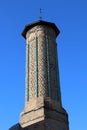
{"points": [[71, 18]]}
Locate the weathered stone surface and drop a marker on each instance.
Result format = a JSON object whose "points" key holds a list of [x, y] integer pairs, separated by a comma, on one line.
{"points": [[41, 109]]}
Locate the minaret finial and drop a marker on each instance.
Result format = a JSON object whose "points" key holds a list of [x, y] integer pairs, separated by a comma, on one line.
{"points": [[40, 14]]}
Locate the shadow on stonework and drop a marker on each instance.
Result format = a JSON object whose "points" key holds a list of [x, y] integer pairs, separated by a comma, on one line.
{"points": [[36, 126], [15, 127]]}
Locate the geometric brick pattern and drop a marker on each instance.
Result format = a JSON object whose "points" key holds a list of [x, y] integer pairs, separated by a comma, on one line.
{"points": [[41, 78], [42, 67]]}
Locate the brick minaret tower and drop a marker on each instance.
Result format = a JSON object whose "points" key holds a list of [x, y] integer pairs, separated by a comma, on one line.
{"points": [[43, 108]]}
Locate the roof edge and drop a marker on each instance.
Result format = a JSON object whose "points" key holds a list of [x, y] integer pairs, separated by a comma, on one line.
{"points": [[39, 22]]}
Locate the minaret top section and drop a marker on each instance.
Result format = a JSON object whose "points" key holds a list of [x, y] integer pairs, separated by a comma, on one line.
{"points": [[40, 22]]}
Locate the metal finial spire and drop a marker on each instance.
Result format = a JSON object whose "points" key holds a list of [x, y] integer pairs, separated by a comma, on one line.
{"points": [[40, 14]]}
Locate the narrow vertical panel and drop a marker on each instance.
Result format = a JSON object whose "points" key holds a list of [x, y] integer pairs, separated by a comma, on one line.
{"points": [[36, 42], [57, 77], [48, 66], [27, 73]]}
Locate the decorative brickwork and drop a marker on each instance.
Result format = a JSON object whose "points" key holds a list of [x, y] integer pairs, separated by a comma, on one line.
{"points": [[43, 108], [32, 70], [41, 73]]}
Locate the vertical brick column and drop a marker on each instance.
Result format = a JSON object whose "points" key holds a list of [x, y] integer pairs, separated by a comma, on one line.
{"points": [[42, 63], [36, 65], [42, 79]]}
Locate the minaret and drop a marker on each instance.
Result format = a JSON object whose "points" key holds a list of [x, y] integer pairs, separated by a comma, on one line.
{"points": [[42, 77], [43, 108]]}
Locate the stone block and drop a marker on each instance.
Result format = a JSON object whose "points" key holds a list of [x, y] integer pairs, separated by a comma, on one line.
{"points": [[42, 110]]}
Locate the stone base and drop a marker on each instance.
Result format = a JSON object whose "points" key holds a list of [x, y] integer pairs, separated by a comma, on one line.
{"points": [[43, 114]]}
